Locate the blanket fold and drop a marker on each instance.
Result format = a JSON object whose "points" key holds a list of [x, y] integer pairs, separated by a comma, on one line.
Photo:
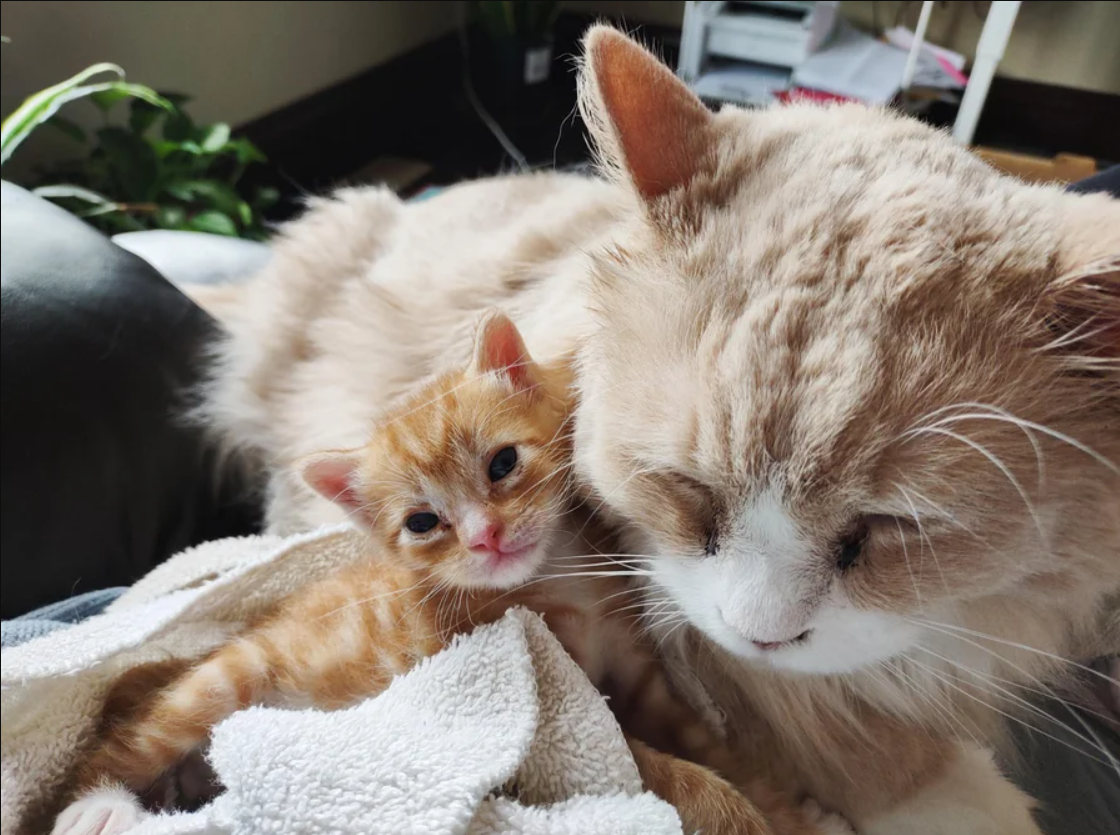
{"points": [[500, 732]]}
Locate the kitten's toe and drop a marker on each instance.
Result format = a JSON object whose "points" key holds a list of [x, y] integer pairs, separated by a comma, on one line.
{"points": [[104, 811], [825, 823]]}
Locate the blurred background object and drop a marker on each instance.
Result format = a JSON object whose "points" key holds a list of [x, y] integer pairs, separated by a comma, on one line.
{"points": [[416, 94]]}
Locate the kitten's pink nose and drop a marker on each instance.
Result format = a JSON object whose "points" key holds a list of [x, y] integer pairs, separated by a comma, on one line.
{"points": [[487, 537]]}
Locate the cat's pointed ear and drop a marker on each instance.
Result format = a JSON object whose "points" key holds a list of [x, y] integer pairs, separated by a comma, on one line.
{"points": [[645, 121], [1084, 313], [498, 347], [1082, 304], [334, 476]]}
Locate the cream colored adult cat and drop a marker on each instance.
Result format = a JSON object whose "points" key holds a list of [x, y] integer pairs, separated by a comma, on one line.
{"points": [[852, 395]]}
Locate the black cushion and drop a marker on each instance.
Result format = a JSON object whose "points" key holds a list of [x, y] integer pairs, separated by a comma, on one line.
{"points": [[102, 479]]}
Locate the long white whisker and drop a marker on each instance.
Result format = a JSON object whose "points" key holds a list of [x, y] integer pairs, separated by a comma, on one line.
{"points": [[952, 628], [944, 679], [1022, 423], [996, 462], [1092, 740]]}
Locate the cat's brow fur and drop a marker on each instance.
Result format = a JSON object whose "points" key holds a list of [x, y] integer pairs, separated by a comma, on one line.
{"points": [[789, 324]]}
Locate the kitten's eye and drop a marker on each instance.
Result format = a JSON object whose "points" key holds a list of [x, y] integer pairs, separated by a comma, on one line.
{"points": [[502, 463], [850, 547], [421, 522]]}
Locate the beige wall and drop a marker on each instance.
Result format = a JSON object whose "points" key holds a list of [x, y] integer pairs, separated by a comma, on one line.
{"points": [[1072, 44], [237, 59]]}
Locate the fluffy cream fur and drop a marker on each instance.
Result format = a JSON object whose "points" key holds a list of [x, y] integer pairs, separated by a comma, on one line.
{"points": [[807, 337]]}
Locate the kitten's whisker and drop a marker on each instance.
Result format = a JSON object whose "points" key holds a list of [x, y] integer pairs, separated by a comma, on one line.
{"points": [[617, 487], [371, 599]]}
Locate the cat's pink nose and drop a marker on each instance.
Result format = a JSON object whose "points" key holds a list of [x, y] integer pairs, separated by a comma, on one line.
{"points": [[487, 537]]}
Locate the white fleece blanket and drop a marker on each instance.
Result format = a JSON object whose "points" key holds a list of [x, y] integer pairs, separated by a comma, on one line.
{"points": [[504, 706]]}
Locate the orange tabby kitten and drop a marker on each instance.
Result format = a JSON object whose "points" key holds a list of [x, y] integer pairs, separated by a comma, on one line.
{"points": [[464, 485]]}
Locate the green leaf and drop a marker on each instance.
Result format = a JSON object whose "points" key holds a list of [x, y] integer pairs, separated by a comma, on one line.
{"points": [[91, 203], [68, 128], [133, 162], [213, 222], [178, 127], [171, 217], [265, 197], [64, 190], [214, 193], [216, 137], [142, 115], [106, 98], [163, 147], [116, 91], [39, 107], [245, 212], [246, 151]]}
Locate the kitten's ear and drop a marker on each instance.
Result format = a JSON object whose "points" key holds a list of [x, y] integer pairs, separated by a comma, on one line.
{"points": [[645, 121], [498, 347], [333, 475]]}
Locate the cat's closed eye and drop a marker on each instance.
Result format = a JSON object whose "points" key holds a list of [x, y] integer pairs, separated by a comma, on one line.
{"points": [[851, 544], [421, 522], [849, 547], [502, 463]]}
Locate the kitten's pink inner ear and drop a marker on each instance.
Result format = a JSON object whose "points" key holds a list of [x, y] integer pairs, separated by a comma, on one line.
{"points": [[663, 132], [332, 475], [500, 348]]}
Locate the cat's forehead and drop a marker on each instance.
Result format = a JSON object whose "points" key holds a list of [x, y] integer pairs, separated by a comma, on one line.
{"points": [[440, 432], [817, 311]]}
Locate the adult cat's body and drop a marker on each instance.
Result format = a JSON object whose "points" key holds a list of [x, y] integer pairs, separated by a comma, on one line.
{"points": [[852, 392], [367, 296]]}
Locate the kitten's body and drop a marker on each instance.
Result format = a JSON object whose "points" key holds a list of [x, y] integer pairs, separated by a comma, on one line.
{"points": [[464, 490], [782, 292]]}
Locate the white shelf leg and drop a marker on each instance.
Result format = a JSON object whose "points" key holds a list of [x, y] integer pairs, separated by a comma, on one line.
{"points": [[989, 52]]}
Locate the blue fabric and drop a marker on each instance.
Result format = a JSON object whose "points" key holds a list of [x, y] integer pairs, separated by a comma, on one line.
{"points": [[426, 194], [56, 616]]}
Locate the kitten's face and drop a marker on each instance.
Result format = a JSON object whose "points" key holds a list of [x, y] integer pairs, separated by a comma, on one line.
{"points": [[465, 479], [819, 386], [469, 484]]}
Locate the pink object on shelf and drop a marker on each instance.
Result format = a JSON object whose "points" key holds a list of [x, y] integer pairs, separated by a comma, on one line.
{"points": [[800, 94]]}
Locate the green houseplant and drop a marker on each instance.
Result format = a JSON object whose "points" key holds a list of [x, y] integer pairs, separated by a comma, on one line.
{"points": [[155, 170], [516, 40]]}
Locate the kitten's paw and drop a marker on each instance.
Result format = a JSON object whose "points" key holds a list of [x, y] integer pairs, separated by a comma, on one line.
{"points": [[104, 811], [825, 823]]}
